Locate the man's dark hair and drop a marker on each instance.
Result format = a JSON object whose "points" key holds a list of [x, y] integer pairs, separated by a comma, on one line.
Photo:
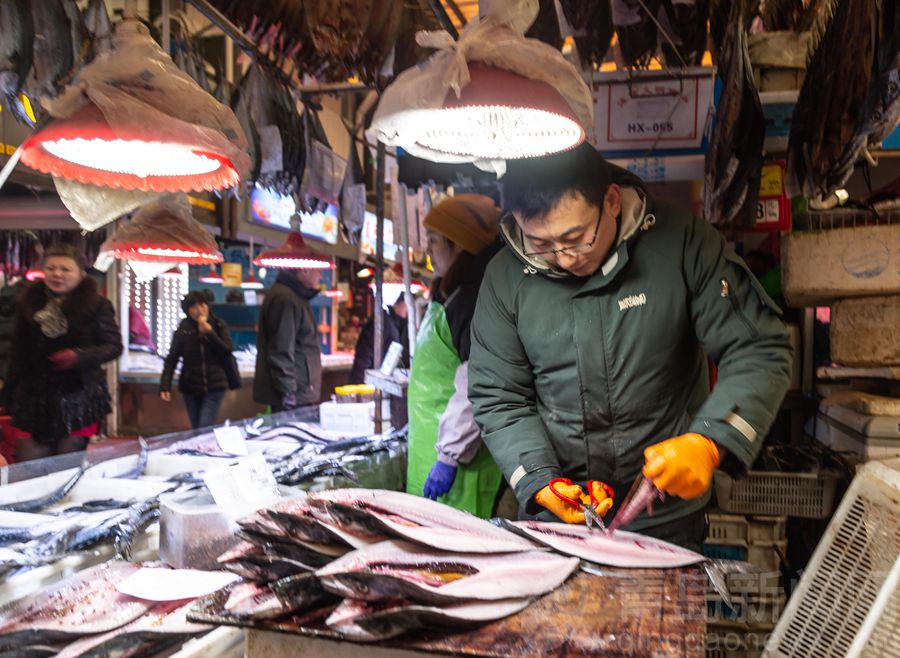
{"points": [[533, 186], [234, 297], [65, 250], [192, 299]]}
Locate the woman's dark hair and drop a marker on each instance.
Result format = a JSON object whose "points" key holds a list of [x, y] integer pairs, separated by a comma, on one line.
{"points": [[533, 186], [64, 250], [192, 299]]}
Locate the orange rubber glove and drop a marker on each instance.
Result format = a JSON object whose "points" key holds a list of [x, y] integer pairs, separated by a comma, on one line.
{"points": [[567, 512], [682, 466]]}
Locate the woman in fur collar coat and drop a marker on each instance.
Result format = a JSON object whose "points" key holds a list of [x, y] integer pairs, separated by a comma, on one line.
{"points": [[65, 331]]}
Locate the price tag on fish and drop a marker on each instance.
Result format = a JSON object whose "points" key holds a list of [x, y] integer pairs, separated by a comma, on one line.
{"points": [[231, 440], [242, 486]]}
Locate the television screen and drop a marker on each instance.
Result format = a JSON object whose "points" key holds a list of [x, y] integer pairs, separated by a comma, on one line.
{"points": [[368, 238]]}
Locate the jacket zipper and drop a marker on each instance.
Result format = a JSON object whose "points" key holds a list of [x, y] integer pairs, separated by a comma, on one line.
{"points": [[726, 292], [203, 362]]}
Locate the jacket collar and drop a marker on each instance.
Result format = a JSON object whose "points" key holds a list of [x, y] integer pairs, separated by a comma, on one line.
{"points": [[287, 278]]}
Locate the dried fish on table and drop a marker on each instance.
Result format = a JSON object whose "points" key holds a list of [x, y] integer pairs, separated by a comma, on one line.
{"points": [[621, 549], [401, 570], [413, 518], [16, 44], [295, 518], [733, 166], [254, 601], [83, 604], [832, 101], [592, 28], [636, 30], [164, 623], [301, 592], [367, 622]]}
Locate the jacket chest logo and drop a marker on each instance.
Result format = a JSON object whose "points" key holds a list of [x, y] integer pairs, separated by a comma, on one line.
{"points": [[632, 301]]}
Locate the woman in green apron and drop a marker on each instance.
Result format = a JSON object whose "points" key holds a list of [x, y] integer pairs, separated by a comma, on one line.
{"points": [[447, 460]]}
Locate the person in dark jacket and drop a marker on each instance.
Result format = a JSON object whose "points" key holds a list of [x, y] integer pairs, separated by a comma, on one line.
{"points": [[65, 331], [288, 360], [395, 331], [203, 344], [590, 343]]}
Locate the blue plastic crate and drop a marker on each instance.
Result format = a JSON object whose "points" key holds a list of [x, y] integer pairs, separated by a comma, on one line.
{"points": [[725, 552]]}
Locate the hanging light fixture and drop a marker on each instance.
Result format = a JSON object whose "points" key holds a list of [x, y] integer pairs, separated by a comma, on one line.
{"points": [[365, 273], [491, 96], [132, 120], [251, 282], [34, 274], [392, 286], [164, 232], [294, 255], [212, 276]]}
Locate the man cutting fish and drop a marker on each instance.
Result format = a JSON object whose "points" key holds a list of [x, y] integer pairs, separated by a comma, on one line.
{"points": [[590, 343]]}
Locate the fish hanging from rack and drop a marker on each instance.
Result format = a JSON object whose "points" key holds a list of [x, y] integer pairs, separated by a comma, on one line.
{"points": [[828, 124], [734, 161], [592, 28], [636, 29], [684, 22]]}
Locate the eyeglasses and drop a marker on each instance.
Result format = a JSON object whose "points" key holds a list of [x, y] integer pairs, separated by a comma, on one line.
{"points": [[580, 248]]}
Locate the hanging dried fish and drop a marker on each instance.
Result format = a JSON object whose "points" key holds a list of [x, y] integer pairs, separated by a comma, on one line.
{"points": [[546, 26], [832, 101], [684, 22], [591, 22], [16, 44], [636, 30], [734, 160]]}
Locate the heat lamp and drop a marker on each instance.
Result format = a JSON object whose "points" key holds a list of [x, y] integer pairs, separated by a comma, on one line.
{"points": [[131, 120], [499, 115], [294, 255], [251, 282], [211, 276]]}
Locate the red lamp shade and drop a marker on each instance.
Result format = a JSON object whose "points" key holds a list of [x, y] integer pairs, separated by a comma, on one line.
{"points": [[212, 276], [85, 148], [293, 255], [251, 282], [392, 286], [34, 274], [500, 115]]}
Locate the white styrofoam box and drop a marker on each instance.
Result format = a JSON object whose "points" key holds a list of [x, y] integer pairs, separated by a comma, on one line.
{"points": [[631, 115], [819, 267], [353, 417], [85, 490], [861, 435], [866, 331], [22, 519]]}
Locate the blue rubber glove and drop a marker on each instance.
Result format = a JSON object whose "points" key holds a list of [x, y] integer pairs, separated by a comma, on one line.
{"points": [[440, 479]]}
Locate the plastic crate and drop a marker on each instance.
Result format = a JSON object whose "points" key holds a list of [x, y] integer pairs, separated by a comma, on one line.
{"points": [[847, 604], [750, 613], [751, 529], [769, 493], [766, 556]]}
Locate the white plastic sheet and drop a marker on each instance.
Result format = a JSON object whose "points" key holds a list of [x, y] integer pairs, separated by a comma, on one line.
{"points": [[497, 39]]}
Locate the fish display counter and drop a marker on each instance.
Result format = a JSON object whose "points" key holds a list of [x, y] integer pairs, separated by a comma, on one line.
{"points": [[143, 412], [77, 514]]}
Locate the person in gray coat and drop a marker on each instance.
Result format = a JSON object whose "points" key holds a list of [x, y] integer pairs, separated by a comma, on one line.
{"points": [[288, 360]]}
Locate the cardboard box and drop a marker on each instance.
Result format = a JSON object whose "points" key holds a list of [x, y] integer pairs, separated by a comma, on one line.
{"points": [[819, 267], [865, 332]]}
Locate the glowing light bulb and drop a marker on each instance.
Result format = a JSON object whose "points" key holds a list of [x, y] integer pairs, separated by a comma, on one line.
{"points": [[135, 157]]}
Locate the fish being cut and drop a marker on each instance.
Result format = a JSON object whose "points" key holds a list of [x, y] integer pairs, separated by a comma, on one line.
{"points": [[367, 622], [255, 601], [414, 518], [301, 591], [286, 548], [84, 604], [295, 518], [164, 619], [401, 570], [622, 549]]}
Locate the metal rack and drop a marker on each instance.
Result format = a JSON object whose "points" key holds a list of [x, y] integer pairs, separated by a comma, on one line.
{"points": [[827, 220]]}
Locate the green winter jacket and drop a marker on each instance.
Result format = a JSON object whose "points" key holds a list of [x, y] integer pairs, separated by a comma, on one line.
{"points": [[576, 377]]}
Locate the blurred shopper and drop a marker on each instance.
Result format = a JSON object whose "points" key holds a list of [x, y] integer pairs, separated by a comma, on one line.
{"points": [[395, 331], [65, 331], [203, 344], [447, 460], [288, 360]]}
